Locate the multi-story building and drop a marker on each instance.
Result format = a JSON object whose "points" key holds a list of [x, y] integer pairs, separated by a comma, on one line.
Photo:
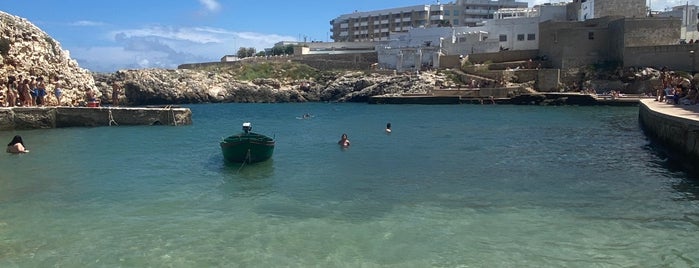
{"points": [[511, 29], [376, 25], [690, 23], [473, 12], [581, 10]]}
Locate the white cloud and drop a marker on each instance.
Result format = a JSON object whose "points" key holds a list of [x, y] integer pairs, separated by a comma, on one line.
{"points": [[211, 5], [86, 23], [168, 47]]}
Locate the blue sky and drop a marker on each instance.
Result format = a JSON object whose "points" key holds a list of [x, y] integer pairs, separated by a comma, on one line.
{"points": [[105, 36]]}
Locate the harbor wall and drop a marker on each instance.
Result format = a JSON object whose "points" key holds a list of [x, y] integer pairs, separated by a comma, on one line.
{"points": [[16, 118], [678, 135]]}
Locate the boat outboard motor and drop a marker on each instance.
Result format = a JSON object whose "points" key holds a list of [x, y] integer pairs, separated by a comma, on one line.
{"points": [[247, 127]]}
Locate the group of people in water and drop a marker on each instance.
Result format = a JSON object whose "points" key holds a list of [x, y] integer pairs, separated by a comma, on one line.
{"points": [[344, 140]]}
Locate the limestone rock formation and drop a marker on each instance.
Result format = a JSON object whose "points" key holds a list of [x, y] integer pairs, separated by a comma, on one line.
{"points": [[28, 51], [182, 86]]}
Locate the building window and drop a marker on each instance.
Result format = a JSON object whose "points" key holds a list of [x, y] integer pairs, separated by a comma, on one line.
{"points": [[591, 35], [455, 13], [446, 12], [520, 37], [531, 37], [503, 38], [456, 23]]}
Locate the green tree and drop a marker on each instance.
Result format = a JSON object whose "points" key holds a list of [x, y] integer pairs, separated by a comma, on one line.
{"points": [[242, 52], [249, 52]]}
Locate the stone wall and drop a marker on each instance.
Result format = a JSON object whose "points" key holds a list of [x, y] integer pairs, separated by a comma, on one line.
{"points": [[450, 61], [346, 61], [626, 8], [680, 136], [59, 117], [548, 80], [503, 56], [675, 57]]}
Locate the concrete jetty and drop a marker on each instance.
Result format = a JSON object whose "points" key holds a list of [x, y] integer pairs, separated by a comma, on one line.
{"points": [[675, 128], [15, 118], [544, 98]]}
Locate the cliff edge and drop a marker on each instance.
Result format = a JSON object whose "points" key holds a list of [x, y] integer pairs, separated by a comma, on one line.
{"points": [[28, 51]]}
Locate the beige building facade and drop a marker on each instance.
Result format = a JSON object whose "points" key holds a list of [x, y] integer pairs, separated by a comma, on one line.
{"points": [[376, 25]]}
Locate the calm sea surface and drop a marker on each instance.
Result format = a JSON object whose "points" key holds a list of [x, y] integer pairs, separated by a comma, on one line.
{"points": [[452, 186]]}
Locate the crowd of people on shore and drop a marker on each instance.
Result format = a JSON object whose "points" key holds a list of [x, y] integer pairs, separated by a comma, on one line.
{"points": [[32, 91], [18, 91], [676, 89]]}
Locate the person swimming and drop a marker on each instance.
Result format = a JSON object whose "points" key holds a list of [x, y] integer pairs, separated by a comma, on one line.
{"points": [[344, 142], [16, 146], [388, 128]]}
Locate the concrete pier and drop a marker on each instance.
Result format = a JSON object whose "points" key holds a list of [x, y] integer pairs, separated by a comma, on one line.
{"points": [[12, 118], [675, 128]]}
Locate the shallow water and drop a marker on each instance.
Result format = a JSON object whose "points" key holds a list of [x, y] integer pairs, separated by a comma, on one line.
{"points": [[452, 186]]}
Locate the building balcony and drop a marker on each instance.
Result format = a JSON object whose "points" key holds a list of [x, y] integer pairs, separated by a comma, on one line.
{"points": [[437, 17], [344, 25], [476, 12]]}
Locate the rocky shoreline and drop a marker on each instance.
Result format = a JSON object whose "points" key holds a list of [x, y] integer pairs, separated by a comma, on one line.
{"points": [[183, 86], [27, 50]]}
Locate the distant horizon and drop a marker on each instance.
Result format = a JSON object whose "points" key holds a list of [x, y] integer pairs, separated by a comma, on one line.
{"points": [[109, 36]]}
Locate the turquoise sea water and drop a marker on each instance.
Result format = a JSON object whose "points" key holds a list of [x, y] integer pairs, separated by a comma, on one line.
{"points": [[452, 186]]}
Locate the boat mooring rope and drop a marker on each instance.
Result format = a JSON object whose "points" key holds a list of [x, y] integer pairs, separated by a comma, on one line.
{"points": [[247, 158], [111, 118], [174, 121]]}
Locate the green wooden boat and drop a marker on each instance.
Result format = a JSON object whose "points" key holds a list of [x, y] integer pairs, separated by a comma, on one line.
{"points": [[247, 147]]}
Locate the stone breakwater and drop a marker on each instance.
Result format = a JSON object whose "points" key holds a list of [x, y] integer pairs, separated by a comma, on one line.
{"points": [[675, 128], [58, 117]]}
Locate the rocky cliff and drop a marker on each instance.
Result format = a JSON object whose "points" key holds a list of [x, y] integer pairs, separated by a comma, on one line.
{"points": [[159, 86], [28, 51]]}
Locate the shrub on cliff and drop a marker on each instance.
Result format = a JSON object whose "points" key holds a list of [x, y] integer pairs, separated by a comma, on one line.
{"points": [[282, 71], [4, 46]]}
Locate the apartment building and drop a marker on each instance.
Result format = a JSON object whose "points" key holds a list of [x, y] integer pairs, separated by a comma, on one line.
{"points": [[690, 20], [581, 10], [376, 25]]}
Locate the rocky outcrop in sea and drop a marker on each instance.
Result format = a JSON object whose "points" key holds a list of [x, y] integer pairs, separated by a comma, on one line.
{"points": [[182, 86]]}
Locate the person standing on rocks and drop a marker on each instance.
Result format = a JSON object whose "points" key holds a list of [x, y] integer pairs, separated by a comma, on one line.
{"points": [[32, 90], [57, 91], [3, 93], [40, 91], [116, 90], [11, 91], [89, 95], [24, 96]]}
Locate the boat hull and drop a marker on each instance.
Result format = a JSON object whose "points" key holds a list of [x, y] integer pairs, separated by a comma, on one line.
{"points": [[247, 148]]}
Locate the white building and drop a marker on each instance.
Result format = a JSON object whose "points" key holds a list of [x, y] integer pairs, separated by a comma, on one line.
{"points": [[376, 25], [513, 29], [690, 22]]}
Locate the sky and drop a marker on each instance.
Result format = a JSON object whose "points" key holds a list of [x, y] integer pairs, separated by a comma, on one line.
{"points": [[105, 36]]}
